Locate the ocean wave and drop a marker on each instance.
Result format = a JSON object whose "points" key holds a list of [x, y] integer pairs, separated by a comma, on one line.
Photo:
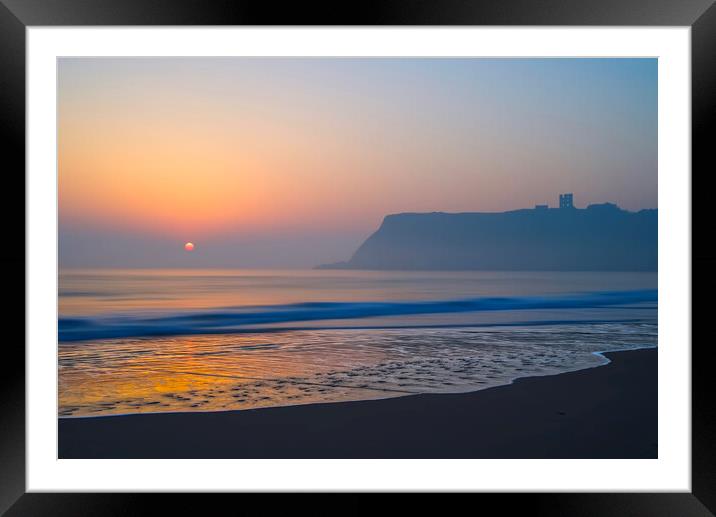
{"points": [[234, 319]]}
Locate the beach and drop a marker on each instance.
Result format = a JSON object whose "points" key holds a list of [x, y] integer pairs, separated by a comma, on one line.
{"points": [[178, 341], [607, 411]]}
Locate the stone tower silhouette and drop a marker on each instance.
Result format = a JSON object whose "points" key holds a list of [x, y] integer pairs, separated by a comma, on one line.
{"points": [[565, 200]]}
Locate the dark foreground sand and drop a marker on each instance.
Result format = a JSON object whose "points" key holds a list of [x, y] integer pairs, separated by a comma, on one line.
{"points": [[604, 412]]}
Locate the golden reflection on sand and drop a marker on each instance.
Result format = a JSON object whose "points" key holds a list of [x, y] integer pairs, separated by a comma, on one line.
{"points": [[244, 371]]}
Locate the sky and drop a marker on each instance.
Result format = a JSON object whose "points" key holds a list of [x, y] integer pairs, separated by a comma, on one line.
{"points": [[293, 162]]}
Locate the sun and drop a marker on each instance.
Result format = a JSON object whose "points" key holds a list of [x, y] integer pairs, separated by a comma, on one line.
{"points": [[189, 246]]}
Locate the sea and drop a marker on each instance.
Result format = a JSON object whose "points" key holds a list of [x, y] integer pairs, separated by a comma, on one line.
{"points": [[170, 340]]}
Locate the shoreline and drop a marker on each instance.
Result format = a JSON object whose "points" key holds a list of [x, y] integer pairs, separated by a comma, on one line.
{"points": [[547, 416], [600, 354]]}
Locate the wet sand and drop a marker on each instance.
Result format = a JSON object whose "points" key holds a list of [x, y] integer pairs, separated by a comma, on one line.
{"points": [[604, 412]]}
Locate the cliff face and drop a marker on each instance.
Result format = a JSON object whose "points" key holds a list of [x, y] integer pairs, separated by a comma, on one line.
{"points": [[600, 238]]}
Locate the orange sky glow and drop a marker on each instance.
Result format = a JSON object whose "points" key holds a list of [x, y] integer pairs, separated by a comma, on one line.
{"points": [[200, 148]]}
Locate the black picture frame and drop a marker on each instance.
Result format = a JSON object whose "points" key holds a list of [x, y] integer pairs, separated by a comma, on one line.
{"points": [[17, 15]]}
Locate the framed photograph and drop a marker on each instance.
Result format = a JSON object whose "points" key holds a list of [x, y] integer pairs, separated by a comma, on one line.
{"points": [[416, 249]]}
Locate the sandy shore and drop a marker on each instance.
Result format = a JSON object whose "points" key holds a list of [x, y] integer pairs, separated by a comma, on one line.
{"points": [[604, 412]]}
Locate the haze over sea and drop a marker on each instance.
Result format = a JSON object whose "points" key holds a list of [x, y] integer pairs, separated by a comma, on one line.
{"points": [[133, 341]]}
